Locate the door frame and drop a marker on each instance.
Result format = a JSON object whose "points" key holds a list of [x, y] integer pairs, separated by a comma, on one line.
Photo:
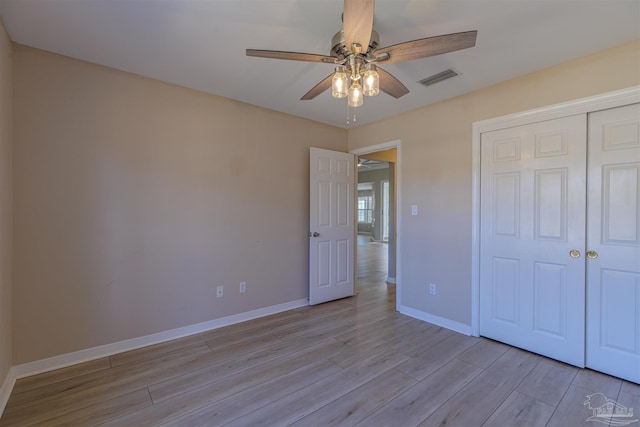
{"points": [[586, 105], [397, 144], [384, 209]]}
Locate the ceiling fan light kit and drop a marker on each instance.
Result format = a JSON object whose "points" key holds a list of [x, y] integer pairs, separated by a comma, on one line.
{"points": [[371, 80], [357, 74], [355, 98], [339, 83]]}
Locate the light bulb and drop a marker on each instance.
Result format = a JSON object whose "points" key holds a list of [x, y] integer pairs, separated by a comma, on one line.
{"points": [[371, 81], [339, 83], [355, 95]]}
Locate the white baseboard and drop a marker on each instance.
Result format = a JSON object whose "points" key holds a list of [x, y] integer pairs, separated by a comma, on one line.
{"points": [[391, 280], [436, 320], [64, 360], [6, 389]]}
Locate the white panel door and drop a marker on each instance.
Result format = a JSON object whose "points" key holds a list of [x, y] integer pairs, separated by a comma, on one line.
{"points": [[533, 189], [613, 239], [331, 225]]}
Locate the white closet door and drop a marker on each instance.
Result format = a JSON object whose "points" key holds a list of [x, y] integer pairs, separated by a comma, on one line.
{"points": [[533, 189], [613, 235]]}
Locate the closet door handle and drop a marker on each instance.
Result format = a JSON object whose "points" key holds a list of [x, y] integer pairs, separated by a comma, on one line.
{"points": [[592, 254], [574, 253]]}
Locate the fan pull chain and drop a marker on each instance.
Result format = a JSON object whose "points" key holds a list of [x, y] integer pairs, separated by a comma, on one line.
{"points": [[355, 115]]}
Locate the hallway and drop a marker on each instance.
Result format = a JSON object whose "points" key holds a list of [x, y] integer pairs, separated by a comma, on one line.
{"points": [[372, 258]]}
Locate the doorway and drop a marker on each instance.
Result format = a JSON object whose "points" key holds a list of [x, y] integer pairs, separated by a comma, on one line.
{"points": [[376, 253], [372, 214]]}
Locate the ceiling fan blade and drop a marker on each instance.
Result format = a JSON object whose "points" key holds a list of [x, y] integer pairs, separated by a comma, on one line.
{"points": [[357, 20], [423, 48], [391, 85], [318, 89], [293, 56]]}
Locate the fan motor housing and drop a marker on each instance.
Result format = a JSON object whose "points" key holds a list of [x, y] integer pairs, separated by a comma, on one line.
{"points": [[339, 47]]}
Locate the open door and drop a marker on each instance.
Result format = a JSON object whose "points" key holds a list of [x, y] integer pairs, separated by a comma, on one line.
{"points": [[331, 225]]}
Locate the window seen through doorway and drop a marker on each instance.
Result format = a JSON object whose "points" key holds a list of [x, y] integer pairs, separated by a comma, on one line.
{"points": [[365, 209]]}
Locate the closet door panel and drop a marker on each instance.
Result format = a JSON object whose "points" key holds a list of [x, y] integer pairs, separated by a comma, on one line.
{"points": [[613, 235], [533, 191]]}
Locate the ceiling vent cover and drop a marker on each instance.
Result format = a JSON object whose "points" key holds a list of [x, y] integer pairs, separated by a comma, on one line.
{"points": [[436, 78]]}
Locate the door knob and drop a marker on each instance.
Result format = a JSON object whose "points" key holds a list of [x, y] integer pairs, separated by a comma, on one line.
{"points": [[314, 234], [592, 254], [574, 253]]}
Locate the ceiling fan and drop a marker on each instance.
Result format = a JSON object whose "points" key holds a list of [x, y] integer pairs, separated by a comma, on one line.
{"points": [[356, 53]]}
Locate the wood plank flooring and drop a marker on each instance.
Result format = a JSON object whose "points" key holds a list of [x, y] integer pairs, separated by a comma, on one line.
{"points": [[353, 362]]}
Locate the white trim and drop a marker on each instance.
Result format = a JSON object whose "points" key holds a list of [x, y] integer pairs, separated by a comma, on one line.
{"points": [[397, 144], [378, 147], [589, 104], [6, 389], [390, 279], [64, 360], [586, 105], [436, 320]]}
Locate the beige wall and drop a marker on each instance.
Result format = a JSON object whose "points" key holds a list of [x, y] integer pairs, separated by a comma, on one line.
{"points": [[6, 201], [135, 198], [436, 169]]}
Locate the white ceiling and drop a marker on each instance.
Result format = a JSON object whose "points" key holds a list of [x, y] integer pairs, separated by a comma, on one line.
{"points": [[201, 43]]}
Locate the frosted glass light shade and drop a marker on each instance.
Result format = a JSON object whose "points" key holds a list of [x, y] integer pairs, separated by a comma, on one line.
{"points": [[371, 81], [339, 83], [355, 98]]}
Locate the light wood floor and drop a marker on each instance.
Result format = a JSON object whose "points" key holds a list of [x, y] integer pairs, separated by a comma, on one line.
{"points": [[350, 362]]}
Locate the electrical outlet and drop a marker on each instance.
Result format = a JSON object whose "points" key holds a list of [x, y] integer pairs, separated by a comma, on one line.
{"points": [[432, 289], [243, 287], [219, 291]]}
